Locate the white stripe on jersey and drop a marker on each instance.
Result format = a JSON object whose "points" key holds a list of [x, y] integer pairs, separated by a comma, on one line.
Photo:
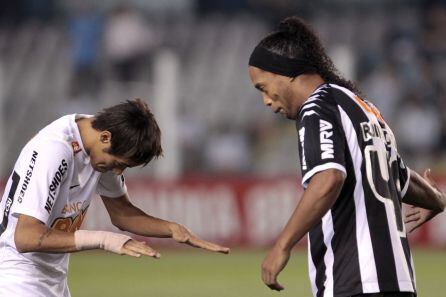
{"points": [[322, 167], [308, 113], [406, 186], [402, 269], [311, 268], [313, 97], [309, 105], [401, 265], [328, 231], [367, 266]]}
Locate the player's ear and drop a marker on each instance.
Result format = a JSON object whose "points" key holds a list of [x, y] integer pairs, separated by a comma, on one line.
{"points": [[105, 136]]}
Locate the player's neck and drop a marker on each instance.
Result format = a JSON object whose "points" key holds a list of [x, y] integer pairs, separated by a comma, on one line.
{"points": [[304, 85], [88, 134]]}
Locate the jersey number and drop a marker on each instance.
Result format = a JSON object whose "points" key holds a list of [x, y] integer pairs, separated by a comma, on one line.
{"points": [[382, 183], [15, 182]]}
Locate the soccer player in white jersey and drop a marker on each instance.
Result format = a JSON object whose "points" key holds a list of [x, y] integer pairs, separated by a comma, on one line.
{"points": [[354, 179], [48, 193]]}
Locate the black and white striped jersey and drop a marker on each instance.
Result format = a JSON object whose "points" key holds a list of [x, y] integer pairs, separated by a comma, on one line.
{"points": [[360, 245]]}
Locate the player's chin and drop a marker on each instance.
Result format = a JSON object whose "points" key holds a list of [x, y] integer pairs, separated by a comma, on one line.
{"points": [[100, 169], [291, 115]]}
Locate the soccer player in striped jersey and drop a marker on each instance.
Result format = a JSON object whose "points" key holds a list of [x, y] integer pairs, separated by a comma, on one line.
{"points": [[355, 181]]}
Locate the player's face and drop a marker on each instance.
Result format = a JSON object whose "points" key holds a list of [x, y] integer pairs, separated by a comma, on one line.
{"points": [[103, 161], [276, 91]]}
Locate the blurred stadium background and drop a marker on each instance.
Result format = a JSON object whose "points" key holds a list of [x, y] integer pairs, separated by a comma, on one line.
{"points": [[230, 170]]}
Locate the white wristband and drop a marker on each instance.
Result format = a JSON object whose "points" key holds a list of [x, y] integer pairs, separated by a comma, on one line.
{"points": [[109, 241]]}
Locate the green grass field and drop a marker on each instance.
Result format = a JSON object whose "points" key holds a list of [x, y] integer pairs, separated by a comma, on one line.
{"points": [[191, 273]]}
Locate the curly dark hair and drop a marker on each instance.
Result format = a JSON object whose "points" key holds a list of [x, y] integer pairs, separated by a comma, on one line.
{"points": [[135, 132], [295, 39]]}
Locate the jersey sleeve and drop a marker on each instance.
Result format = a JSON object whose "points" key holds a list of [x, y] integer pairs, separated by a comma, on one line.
{"points": [[111, 185], [42, 169], [404, 175], [321, 139]]}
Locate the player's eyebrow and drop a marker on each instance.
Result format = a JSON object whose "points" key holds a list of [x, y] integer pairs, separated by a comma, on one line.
{"points": [[258, 86]]}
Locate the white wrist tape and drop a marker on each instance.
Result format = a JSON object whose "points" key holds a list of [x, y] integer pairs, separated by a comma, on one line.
{"points": [[109, 241]]}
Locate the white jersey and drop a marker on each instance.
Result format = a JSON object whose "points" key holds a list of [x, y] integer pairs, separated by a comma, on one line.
{"points": [[53, 182]]}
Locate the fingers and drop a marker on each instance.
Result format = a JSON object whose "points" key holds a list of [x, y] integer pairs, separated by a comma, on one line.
{"points": [[427, 176], [274, 262], [270, 279], [182, 234], [412, 210], [276, 287], [131, 253], [200, 243], [411, 219], [137, 248], [412, 216]]}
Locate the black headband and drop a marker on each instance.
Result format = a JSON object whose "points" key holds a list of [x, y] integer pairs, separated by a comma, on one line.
{"points": [[271, 62]]}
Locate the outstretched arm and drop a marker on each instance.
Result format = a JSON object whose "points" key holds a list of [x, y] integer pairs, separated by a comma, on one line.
{"points": [[31, 235], [125, 216], [427, 200], [318, 198]]}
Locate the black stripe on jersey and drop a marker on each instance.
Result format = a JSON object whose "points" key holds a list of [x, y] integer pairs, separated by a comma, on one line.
{"points": [[395, 195], [9, 201], [346, 273], [405, 244], [318, 250], [376, 212]]}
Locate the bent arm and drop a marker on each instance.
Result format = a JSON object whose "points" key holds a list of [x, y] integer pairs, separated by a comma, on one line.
{"points": [[127, 217], [31, 235], [318, 198], [421, 193]]}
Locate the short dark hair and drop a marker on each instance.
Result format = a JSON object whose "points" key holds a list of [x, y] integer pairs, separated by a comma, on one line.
{"points": [[295, 39], [135, 132]]}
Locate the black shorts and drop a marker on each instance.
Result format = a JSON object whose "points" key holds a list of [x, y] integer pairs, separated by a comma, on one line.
{"points": [[394, 294]]}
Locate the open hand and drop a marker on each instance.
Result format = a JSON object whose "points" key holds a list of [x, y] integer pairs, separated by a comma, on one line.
{"points": [[427, 176], [272, 265], [182, 234], [136, 248], [417, 216]]}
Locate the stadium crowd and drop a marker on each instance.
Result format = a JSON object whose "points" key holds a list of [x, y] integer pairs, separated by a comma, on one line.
{"points": [[394, 50]]}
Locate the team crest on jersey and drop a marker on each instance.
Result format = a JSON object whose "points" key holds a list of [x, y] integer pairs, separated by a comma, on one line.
{"points": [[76, 147], [72, 223]]}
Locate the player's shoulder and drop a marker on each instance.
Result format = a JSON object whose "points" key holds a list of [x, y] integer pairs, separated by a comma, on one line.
{"points": [[49, 149], [44, 154], [56, 138], [321, 101]]}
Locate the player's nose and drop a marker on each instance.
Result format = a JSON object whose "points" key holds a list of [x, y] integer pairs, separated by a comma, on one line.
{"points": [[267, 101]]}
